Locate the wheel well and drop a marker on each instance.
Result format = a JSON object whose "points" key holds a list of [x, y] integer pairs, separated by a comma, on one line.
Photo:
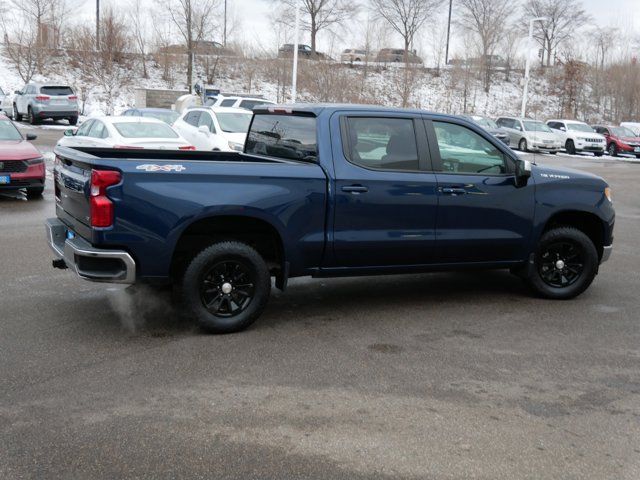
{"points": [[587, 223], [260, 235]]}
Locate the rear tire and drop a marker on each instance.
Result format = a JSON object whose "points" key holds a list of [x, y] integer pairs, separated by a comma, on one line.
{"points": [[226, 287], [565, 264], [31, 117], [35, 192], [73, 121], [16, 116]]}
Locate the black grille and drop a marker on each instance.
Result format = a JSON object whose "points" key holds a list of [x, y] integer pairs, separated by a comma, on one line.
{"points": [[13, 166]]}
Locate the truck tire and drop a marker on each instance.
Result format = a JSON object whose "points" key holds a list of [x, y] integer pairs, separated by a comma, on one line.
{"points": [[226, 287], [565, 264]]}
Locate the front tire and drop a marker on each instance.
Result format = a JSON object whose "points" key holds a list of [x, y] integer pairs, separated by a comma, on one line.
{"points": [[570, 147], [613, 150], [565, 264], [522, 145], [226, 287], [598, 154], [35, 192]]}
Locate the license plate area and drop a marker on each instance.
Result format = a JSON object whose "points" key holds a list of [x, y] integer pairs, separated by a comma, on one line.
{"points": [[5, 179]]}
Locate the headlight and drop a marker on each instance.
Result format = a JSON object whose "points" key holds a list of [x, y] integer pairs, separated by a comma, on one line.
{"points": [[607, 193], [35, 161], [238, 147]]}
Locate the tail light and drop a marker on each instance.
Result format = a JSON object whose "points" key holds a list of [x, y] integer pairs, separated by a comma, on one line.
{"points": [[101, 205], [187, 147], [73, 97], [43, 98]]}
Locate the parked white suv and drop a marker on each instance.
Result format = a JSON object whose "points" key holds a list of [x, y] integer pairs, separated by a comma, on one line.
{"points": [[530, 135], [215, 128], [240, 102], [578, 137], [633, 126]]}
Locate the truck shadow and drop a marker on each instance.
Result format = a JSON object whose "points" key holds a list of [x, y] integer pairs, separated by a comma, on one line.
{"points": [[340, 299]]}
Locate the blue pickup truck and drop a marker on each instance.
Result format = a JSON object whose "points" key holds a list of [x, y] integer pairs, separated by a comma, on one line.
{"points": [[325, 191]]}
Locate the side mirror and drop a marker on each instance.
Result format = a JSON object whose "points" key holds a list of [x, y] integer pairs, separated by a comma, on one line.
{"points": [[523, 172], [31, 136], [204, 129], [70, 132], [562, 129]]}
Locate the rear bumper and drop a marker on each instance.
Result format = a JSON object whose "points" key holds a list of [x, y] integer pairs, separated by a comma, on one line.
{"points": [[22, 183], [88, 262], [45, 113]]}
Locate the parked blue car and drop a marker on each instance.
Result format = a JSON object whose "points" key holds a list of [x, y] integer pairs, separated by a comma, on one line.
{"points": [[326, 190]]}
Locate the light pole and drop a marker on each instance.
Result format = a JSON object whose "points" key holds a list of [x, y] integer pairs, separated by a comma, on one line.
{"points": [[294, 73], [526, 65], [446, 54]]}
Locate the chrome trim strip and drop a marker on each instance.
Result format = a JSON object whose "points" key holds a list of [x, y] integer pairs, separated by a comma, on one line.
{"points": [[606, 253]]}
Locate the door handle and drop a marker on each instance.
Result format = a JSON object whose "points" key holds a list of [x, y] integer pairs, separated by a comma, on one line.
{"points": [[355, 189], [453, 191]]}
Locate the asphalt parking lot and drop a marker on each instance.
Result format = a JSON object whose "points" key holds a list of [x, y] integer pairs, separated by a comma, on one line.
{"points": [[434, 376]]}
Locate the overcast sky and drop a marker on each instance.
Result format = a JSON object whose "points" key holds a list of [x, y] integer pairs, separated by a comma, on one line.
{"points": [[254, 17]]}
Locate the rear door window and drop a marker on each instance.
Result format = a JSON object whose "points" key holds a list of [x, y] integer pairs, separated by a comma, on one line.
{"points": [[98, 130], [228, 102], [56, 91], [207, 121], [382, 143], [249, 104], [84, 128], [283, 136]]}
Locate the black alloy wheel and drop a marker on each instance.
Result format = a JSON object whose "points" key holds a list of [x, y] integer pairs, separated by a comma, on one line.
{"points": [[227, 288], [561, 264]]}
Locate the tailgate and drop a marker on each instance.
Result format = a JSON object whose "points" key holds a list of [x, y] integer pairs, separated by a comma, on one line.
{"points": [[72, 179]]}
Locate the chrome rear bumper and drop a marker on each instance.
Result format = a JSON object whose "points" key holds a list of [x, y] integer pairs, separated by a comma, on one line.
{"points": [[90, 263]]}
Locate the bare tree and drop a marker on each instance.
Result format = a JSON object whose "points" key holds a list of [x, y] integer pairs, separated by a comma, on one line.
{"points": [[20, 50], [137, 16], [562, 19], [319, 15], [509, 48], [405, 16], [193, 19], [109, 68], [486, 20]]}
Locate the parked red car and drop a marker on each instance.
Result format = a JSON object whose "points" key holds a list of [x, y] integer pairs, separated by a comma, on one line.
{"points": [[21, 164], [619, 140]]}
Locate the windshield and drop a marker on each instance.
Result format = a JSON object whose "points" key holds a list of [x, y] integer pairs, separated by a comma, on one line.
{"points": [[622, 132], [485, 122], [532, 126], [234, 122], [8, 131], [166, 117], [145, 130], [580, 127]]}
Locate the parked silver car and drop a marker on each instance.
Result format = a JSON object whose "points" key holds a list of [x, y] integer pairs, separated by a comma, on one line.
{"points": [[36, 102], [530, 135]]}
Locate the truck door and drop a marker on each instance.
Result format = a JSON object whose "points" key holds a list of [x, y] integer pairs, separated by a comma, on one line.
{"points": [[482, 215], [385, 194]]}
